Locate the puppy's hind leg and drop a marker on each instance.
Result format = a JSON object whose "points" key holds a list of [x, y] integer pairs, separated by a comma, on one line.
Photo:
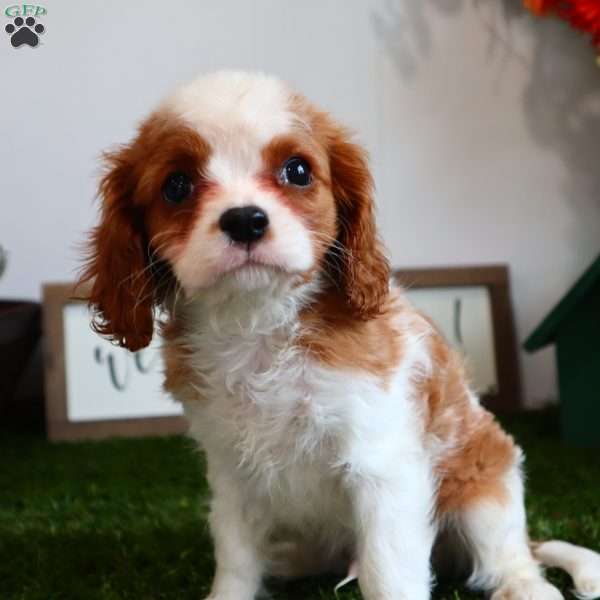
{"points": [[496, 532], [581, 564], [484, 492]]}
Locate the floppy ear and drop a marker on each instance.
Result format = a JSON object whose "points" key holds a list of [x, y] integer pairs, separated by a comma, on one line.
{"points": [[122, 287], [361, 267]]}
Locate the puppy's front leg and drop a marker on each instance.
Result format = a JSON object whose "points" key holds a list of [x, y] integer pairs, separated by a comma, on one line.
{"points": [[395, 533], [238, 568]]}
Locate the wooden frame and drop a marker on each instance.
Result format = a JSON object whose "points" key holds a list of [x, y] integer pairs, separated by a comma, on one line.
{"points": [[496, 279], [56, 297]]}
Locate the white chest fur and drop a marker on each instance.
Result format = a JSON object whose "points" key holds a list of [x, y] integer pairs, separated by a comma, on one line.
{"points": [[292, 433], [270, 407]]}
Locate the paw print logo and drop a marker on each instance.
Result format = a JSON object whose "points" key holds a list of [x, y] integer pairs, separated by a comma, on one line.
{"points": [[24, 32]]}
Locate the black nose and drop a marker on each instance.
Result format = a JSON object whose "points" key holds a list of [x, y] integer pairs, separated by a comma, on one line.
{"points": [[245, 224]]}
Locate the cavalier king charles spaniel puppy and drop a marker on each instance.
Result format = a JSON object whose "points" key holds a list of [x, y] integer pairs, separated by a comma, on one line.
{"points": [[339, 428]]}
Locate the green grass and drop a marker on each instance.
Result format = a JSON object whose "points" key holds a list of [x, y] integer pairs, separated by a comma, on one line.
{"points": [[127, 518]]}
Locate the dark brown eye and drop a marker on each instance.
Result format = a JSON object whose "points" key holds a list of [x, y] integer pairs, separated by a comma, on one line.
{"points": [[177, 188], [296, 171]]}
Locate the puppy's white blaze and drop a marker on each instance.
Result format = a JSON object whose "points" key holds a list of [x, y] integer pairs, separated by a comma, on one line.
{"points": [[227, 168], [231, 101]]}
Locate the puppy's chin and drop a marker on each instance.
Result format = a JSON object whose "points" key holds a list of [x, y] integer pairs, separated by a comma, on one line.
{"points": [[247, 279], [253, 277]]}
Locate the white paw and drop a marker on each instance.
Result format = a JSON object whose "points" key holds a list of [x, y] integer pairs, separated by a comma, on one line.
{"points": [[229, 596], [404, 593], [587, 584], [520, 589]]}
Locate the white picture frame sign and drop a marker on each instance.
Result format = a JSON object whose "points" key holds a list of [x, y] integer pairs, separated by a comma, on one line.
{"points": [[95, 389], [472, 308], [464, 316]]}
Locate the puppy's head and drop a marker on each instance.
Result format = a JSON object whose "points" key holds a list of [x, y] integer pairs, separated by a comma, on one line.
{"points": [[234, 178]]}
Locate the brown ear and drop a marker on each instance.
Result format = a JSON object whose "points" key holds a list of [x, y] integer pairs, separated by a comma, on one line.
{"points": [[122, 287], [359, 265]]}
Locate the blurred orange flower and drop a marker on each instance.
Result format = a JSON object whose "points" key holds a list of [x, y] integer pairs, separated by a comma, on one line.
{"points": [[581, 14], [540, 7], [584, 15]]}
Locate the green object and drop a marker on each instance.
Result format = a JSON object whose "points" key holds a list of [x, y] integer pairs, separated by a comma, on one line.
{"points": [[574, 327], [126, 519]]}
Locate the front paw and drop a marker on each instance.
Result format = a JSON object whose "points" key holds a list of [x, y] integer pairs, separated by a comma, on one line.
{"points": [[536, 589], [237, 590], [231, 595], [587, 584], [410, 592]]}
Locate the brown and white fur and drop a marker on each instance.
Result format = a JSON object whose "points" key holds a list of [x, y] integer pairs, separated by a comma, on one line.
{"points": [[338, 425]]}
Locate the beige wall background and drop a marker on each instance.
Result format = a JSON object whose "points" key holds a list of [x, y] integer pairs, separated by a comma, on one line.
{"points": [[483, 125]]}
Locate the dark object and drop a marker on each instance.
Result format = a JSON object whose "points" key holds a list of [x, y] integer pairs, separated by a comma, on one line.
{"points": [[296, 171], [245, 224], [20, 371], [574, 326], [177, 188], [497, 281], [22, 33]]}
